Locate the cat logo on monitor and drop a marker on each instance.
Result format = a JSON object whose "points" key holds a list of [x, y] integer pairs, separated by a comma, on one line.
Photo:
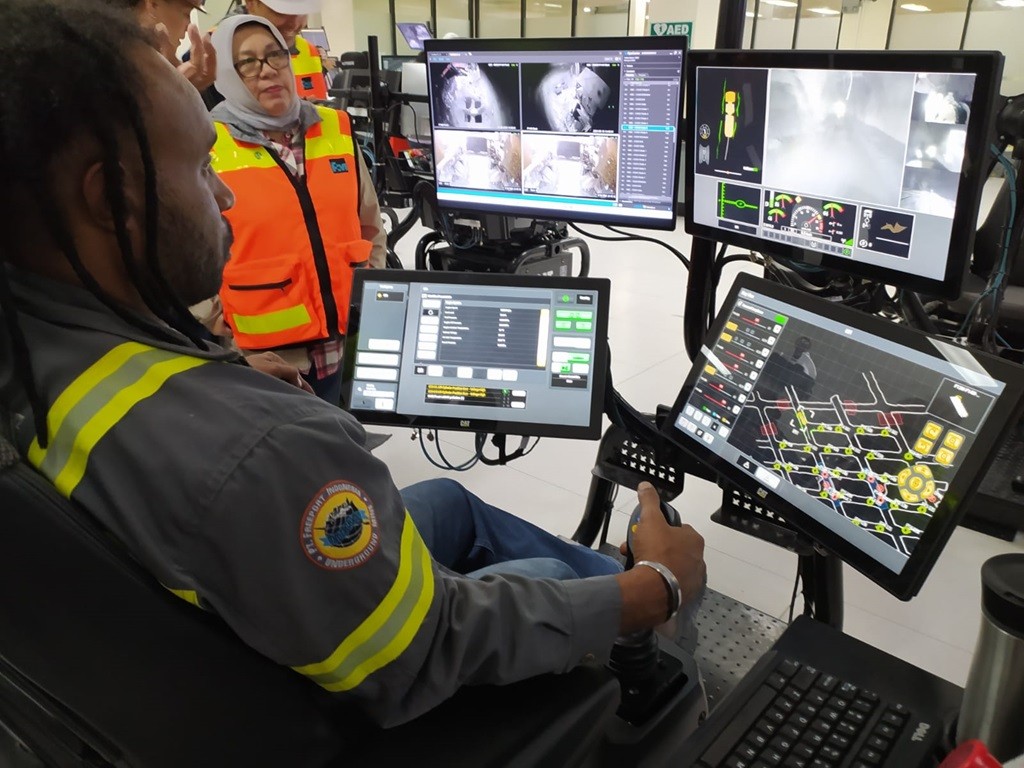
{"points": [[463, 422], [339, 529]]}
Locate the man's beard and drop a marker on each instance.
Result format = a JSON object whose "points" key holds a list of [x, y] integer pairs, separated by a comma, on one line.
{"points": [[191, 260]]}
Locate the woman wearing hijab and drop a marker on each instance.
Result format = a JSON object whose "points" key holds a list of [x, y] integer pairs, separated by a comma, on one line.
{"points": [[305, 211]]}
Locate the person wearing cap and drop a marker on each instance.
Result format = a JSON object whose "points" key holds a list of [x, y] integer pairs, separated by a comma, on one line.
{"points": [[171, 22], [305, 212]]}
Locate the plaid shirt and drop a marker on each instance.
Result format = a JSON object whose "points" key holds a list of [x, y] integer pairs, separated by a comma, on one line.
{"points": [[325, 356]]}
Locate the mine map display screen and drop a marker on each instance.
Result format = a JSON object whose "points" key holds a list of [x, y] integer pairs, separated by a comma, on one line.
{"points": [[870, 164], [575, 129], [868, 441], [481, 352]]}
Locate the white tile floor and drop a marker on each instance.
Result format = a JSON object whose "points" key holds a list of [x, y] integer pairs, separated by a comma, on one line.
{"points": [[935, 631]]}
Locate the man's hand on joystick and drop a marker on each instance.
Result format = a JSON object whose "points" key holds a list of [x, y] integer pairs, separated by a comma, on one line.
{"points": [[680, 549]]}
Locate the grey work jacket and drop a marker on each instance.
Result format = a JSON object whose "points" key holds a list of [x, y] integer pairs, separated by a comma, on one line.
{"points": [[256, 501]]}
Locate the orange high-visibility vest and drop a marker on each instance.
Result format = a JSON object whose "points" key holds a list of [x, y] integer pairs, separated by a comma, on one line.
{"points": [[297, 240], [309, 70]]}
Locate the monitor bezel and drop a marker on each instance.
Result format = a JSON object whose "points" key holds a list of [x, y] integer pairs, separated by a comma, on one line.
{"points": [[590, 431], [561, 45], [987, 65], [321, 30], [402, 26], [1006, 410]]}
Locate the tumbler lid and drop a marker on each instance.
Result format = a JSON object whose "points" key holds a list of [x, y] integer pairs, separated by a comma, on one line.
{"points": [[1002, 591]]}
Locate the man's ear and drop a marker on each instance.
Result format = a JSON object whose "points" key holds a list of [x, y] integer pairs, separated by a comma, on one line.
{"points": [[98, 205]]}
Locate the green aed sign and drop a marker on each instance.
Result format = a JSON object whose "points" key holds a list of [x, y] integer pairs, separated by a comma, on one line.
{"points": [[665, 28]]}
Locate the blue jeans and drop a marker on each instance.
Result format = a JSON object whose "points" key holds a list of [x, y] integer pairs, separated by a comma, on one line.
{"points": [[328, 388], [471, 537]]}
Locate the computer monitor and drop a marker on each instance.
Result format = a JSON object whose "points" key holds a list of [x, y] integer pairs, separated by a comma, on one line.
{"points": [[868, 163], [414, 117], [580, 129], [414, 32], [867, 436], [496, 353], [317, 37], [394, 63]]}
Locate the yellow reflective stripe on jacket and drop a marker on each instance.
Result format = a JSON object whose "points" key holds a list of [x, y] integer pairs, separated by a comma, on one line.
{"points": [[229, 155], [95, 402], [272, 322], [388, 631], [332, 141], [188, 595], [306, 60]]}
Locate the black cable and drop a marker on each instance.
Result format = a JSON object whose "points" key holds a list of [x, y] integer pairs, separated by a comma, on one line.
{"points": [[444, 463], [646, 239], [792, 599], [626, 236]]}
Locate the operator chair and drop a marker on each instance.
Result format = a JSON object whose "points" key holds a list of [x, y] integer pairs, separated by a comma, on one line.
{"points": [[100, 665]]}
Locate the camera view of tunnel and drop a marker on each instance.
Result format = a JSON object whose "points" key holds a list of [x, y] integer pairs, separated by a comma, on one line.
{"points": [[577, 98], [574, 166], [838, 134], [478, 160], [482, 96], [935, 148]]}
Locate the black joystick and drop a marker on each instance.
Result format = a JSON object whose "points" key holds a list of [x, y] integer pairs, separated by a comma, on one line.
{"points": [[647, 676], [671, 515]]}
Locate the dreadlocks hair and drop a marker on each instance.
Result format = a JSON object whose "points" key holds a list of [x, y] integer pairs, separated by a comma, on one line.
{"points": [[41, 42], [124, 4]]}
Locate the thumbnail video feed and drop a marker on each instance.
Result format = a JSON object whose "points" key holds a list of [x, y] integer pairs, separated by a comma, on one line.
{"points": [[483, 96], [573, 166], [938, 136], [478, 160], [838, 134], [571, 98]]}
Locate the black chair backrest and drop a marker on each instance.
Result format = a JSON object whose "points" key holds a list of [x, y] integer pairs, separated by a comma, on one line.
{"points": [[137, 673]]}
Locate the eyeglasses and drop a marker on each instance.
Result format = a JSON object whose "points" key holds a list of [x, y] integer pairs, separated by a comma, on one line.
{"points": [[252, 67]]}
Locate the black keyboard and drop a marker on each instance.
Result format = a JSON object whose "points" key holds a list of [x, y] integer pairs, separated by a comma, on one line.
{"points": [[803, 718], [822, 699]]}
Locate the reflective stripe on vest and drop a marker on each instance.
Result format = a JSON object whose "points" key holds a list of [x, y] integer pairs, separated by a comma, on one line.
{"points": [[289, 278], [387, 632], [309, 70], [95, 402]]}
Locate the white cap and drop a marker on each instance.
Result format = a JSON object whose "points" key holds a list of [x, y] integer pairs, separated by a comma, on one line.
{"points": [[294, 7]]}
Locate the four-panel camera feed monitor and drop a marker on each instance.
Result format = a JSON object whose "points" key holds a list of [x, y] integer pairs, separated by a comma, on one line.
{"points": [[508, 354], [869, 163], [865, 435], [575, 130]]}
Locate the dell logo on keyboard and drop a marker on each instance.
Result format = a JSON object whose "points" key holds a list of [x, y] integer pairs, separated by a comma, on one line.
{"points": [[920, 732]]}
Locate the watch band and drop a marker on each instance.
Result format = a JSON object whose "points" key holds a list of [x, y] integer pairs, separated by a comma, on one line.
{"points": [[675, 594]]}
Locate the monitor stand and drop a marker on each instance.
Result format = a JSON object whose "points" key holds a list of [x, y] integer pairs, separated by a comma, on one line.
{"points": [[491, 243]]}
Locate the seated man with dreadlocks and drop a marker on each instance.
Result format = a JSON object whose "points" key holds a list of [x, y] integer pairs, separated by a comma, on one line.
{"points": [[241, 494]]}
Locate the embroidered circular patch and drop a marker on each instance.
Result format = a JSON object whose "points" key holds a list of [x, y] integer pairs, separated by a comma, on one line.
{"points": [[339, 528]]}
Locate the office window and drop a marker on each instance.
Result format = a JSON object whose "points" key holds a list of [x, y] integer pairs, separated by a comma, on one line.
{"points": [[453, 16], [998, 25], [819, 24], [776, 23], [748, 25], [602, 18], [499, 18], [548, 18], [370, 17], [928, 25]]}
